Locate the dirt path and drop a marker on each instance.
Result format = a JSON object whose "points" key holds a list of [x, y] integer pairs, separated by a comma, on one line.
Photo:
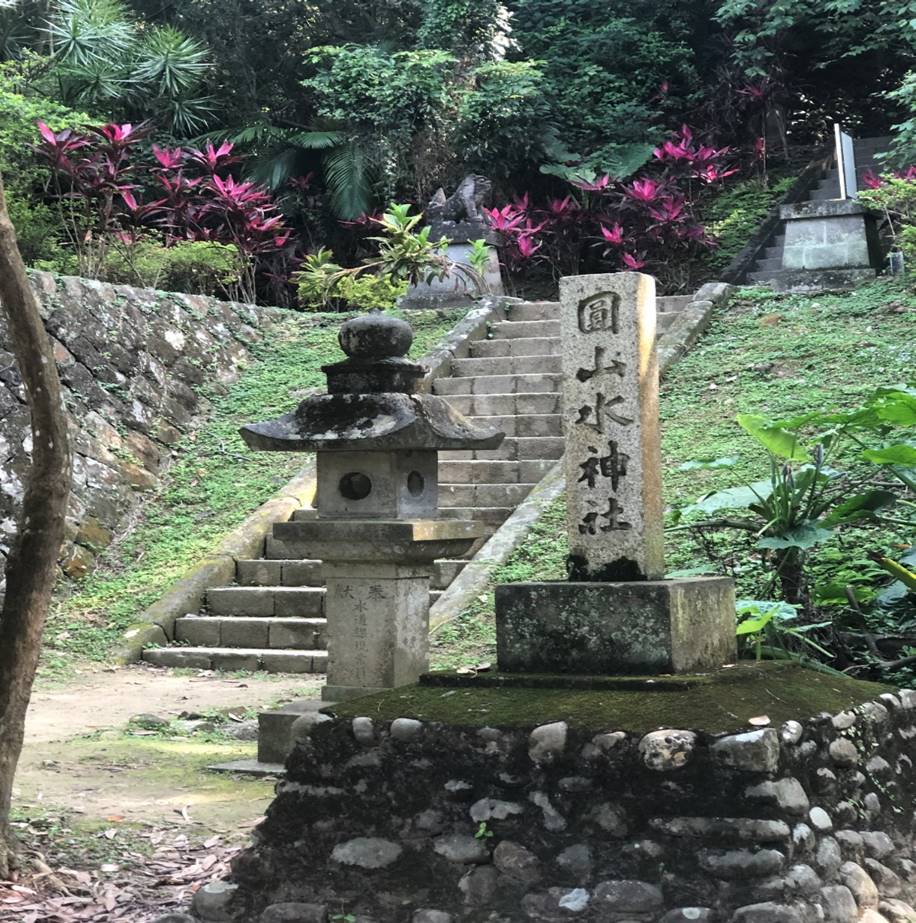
{"points": [[81, 757], [109, 697], [122, 823]]}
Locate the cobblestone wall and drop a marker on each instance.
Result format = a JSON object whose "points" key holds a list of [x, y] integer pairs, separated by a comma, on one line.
{"points": [[410, 822], [133, 365]]}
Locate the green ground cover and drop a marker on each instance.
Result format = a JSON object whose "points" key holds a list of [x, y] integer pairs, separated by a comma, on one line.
{"points": [[765, 353], [213, 484], [721, 703]]}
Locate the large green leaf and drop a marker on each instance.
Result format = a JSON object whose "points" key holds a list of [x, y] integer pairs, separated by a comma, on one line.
{"points": [[803, 537], [862, 506], [733, 498], [903, 453], [774, 439]]}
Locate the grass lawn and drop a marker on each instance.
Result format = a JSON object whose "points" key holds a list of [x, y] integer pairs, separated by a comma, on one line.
{"points": [[765, 353], [213, 484]]}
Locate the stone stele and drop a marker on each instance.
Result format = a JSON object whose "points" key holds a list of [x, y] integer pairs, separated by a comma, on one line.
{"points": [[613, 459], [616, 614]]}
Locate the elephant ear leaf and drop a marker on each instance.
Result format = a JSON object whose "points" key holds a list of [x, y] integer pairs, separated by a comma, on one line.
{"points": [[776, 440], [861, 506]]}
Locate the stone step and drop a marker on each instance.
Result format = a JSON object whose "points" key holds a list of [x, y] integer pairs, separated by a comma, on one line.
{"points": [[768, 264], [290, 602], [533, 310], [525, 346], [489, 405], [238, 658], [514, 330], [498, 384], [512, 448], [265, 572], [664, 319], [252, 632], [533, 424], [494, 472], [507, 365], [285, 572], [672, 302], [773, 253], [488, 515], [483, 494]]}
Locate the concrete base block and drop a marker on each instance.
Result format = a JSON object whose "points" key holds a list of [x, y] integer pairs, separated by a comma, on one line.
{"points": [[275, 729], [653, 626]]}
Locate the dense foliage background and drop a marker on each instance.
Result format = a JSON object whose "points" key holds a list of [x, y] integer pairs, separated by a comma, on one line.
{"points": [[341, 108]]}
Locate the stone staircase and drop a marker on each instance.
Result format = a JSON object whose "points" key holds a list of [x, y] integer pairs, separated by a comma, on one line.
{"points": [[272, 618], [769, 264]]}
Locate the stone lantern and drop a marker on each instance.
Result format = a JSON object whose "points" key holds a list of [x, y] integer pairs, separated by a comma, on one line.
{"points": [[376, 528]]}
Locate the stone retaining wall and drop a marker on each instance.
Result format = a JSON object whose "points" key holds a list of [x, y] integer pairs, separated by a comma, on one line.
{"points": [[133, 364], [407, 822]]}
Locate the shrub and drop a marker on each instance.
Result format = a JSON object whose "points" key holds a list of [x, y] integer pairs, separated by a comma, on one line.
{"points": [[36, 223], [894, 197], [201, 267], [351, 293]]}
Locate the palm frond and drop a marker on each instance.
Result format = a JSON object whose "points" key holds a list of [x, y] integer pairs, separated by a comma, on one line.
{"points": [[316, 140], [84, 32], [347, 172]]}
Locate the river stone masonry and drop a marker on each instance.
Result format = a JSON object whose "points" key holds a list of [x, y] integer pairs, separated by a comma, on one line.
{"points": [[802, 821], [132, 365]]}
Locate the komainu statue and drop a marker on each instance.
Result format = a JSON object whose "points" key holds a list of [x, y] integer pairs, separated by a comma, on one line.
{"points": [[465, 204]]}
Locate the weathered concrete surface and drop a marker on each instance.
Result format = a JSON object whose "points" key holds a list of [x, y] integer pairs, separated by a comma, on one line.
{"points": [[615, 516], [655, 626], [830, 234]]}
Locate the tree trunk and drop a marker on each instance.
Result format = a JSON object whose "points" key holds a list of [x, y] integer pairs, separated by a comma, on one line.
{"points": [[32, 563]]}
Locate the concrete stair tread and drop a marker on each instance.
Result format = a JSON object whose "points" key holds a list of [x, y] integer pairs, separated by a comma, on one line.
{"points": [[518, 347], [495, 404], [240, 658], [507, 365], [531, 328], [525, 383], [265, 600]]}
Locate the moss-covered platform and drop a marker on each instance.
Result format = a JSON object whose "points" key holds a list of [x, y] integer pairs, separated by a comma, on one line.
{"points": [[713, 703]]}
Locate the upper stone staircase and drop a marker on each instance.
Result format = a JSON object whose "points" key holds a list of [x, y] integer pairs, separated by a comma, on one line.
{"points": [[769, 264], [272, 618]]}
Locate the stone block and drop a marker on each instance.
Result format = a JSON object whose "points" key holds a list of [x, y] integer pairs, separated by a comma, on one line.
{"points": [[654, 626], [833, 234], [244, 632]]}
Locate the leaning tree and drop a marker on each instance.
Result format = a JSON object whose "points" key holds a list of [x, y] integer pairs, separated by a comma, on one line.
{"points": [[32, 561]]}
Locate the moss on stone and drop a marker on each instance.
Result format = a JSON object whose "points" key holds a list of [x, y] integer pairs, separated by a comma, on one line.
{"points": [[715, 703]]}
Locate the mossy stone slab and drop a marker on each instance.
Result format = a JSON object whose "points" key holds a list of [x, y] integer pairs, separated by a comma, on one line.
{"points": [[714, 703]]}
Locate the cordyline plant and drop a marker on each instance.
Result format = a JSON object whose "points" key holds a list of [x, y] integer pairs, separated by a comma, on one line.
{"points": [[646, 223], [103, 188]]}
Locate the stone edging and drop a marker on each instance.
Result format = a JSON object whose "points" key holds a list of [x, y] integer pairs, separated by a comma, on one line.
{"points": [[156, 624], [475, 577]]}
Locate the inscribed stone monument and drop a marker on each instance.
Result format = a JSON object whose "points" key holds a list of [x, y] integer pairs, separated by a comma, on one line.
{"points": [[616, 614], [613, 456]]}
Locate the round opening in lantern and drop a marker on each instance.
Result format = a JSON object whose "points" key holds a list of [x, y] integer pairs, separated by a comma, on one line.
{"points": [[415, 484], [355, 486]]}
